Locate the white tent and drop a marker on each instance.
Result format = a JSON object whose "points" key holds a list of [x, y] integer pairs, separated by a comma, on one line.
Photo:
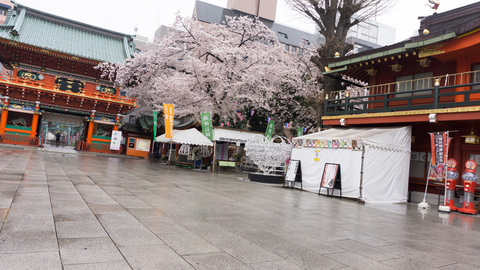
{"points": [[382, 176], [232, 135], [188, 136]]}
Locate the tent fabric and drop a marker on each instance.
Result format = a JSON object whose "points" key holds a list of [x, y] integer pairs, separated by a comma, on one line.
{"points": [[385, 169], [188, 136], [230, 135]]}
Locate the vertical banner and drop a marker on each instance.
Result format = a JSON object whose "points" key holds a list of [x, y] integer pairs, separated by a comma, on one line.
{"points": [[168, 112], [299, 131], [116, 140], [439, 144], [269, 132], [154, 125], [207, 128]]}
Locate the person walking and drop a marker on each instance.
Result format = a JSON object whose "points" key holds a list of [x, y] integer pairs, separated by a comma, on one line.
{"points": [[57, 138]]}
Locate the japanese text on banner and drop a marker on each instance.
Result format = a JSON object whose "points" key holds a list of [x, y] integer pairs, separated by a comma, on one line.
{"points": [[168, 110], [269, 131], [207, 128]]}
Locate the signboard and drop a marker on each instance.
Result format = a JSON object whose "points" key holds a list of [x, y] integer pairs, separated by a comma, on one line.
{"points": [[207, 128], [269, 132], [168, 112], [331, 178], [131, 143], [292, 170], [116, 140], [142, 145], [329, 175], [294, 174]]}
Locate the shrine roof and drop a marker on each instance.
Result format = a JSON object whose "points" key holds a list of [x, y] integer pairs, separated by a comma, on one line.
{"points": [[47, 31]]}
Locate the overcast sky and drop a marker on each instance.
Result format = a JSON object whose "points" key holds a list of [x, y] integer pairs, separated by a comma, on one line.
{"points": [[122, 16]]}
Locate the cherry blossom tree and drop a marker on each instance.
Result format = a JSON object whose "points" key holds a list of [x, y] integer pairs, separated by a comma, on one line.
{"points": [[223, 69]]}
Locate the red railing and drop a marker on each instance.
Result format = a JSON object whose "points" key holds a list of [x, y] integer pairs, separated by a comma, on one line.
{"points": [[18, 139], [97, 147]]}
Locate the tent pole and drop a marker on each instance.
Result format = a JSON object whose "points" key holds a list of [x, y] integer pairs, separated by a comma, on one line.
{"points": [[360, 198], [214, 157], [169, 153]]}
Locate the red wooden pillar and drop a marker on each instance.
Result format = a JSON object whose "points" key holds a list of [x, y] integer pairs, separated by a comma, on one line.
{"points": [[36, 113], [90, 127], [3, 120], [117, 122], [462, 66]]}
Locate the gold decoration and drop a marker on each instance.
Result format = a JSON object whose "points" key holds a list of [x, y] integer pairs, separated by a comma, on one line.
{"points": [[424, 62], [371, 72], [396, 67]]}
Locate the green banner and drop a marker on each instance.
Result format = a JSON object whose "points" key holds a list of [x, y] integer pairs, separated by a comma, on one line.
{"points": [[299, 131], [269, 131], [154, 125], [207, 128]]}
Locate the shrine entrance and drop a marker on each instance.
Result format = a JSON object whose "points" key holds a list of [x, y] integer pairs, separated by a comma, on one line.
{"points": [[69, 127]]}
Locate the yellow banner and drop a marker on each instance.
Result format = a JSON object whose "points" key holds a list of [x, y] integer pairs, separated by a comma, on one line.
{"points": [[168, 112]]}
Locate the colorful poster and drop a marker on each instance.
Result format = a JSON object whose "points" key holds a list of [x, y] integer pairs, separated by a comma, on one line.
{"points": [[168, 110], [207, 128], [329, 175], [154, 125], [439, 144], [116, 140], [269, 132]]}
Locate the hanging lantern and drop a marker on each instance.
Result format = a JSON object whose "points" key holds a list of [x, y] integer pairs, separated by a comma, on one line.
{"points": [[472, 138]]}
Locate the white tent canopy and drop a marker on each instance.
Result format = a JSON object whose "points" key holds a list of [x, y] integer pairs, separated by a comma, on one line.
{"points": [[188, 136], [385, 165], [231, 135]]}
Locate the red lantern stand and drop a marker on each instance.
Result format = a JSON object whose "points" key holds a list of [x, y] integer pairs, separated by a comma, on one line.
{"points": [[469, 182], [451, 180]]}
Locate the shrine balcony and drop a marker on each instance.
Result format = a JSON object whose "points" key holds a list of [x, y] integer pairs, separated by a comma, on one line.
{"points": [[439, 92]]}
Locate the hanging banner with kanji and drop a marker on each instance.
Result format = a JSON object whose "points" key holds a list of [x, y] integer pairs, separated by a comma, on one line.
{"points": [[439, 144], [154, 125], [168, 112], [299, 131], [207, 128], [270, 127]]}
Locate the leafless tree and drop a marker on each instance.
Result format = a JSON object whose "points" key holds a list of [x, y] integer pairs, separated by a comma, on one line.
{"points": [[334, 18]]}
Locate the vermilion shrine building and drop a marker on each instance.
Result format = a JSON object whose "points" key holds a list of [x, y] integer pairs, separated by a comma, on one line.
{"points": [[431, 82], [48, 83]]}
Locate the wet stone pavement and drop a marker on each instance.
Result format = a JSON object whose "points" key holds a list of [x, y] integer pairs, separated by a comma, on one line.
{"points": [[77, 211]]}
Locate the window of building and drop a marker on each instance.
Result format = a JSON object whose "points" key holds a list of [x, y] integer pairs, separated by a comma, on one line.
{"points": [[414, 82], [3, 11], [284, 35], [419, 162], [294, 49], [287, 47]]}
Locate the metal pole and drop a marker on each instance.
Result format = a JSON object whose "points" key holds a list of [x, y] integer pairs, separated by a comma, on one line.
{"points": [[360, 198]]}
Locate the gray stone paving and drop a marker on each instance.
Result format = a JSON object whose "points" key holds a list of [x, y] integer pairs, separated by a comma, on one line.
{"points": [[77, 211]]}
